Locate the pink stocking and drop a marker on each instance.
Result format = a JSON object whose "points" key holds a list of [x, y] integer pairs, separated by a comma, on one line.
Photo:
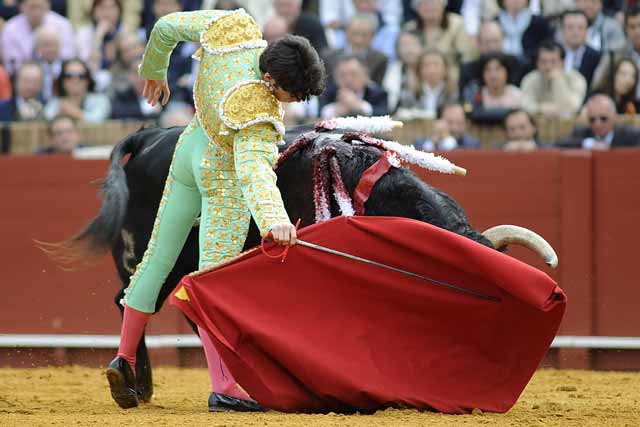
{"points": [[133, 323], [221, 379]]}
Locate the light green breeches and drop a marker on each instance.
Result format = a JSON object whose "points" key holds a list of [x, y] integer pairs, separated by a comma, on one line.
{"points": [[202, 180]]}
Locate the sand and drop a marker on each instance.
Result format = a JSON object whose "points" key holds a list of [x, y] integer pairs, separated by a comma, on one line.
{"points": [[76, 396]]}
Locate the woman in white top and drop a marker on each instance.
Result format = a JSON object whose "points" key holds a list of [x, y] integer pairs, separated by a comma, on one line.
{"points": [[96, 42], [433, 90]]}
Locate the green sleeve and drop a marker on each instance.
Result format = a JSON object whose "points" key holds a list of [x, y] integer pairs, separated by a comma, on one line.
{"points": [[255, 152], [166, 33]]}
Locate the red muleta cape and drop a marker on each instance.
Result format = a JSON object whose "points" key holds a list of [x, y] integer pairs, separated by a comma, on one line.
{"points": [[322, 333]]}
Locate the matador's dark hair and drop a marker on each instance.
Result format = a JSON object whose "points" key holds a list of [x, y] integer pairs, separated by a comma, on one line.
{"points": [[295, 66]]}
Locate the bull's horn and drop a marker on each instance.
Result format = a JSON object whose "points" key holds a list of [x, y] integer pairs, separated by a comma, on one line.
{"points": [[503, 235]]}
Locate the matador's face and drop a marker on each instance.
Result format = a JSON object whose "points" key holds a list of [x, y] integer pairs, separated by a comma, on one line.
{"points": [[280, 94]]}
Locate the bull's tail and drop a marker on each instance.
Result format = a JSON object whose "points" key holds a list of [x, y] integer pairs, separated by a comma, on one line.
{"points": [[82, 249]]}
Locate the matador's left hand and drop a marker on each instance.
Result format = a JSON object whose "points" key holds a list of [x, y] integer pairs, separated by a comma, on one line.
{"points": [[154, 89]]}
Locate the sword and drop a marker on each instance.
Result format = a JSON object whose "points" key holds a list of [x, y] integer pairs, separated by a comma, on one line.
{"points": [[398, 270]]}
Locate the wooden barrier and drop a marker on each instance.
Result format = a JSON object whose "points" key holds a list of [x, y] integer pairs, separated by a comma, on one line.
{"points": [[585, 204], [26, 137]]}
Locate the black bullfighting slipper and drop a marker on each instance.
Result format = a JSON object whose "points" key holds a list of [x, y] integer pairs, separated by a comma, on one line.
{"points": [[219, 402], [122, 383]]}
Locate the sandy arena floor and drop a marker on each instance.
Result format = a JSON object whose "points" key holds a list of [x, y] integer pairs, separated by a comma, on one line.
{"points": [[80, 397]]}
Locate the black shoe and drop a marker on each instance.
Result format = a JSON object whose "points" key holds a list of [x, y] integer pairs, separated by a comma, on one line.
{"points": [[144, 382], [219, 402], [122, 383]]}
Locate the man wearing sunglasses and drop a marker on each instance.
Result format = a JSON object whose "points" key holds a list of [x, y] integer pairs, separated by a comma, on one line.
{"points": [[603, 132]]}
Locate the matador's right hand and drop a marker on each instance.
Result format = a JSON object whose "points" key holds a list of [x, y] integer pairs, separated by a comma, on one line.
{"points": [[284, 234], [153, 89]]}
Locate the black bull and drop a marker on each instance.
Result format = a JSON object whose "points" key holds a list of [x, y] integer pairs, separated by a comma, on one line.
{"points": [[131, 195]]}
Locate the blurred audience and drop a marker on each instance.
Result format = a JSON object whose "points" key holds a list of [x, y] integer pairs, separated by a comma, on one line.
{"points": [[523, 30], [76, 97], [302, 23], [402, 74], [335, 15], [129, 50], [444, 31], [623, 87], [354, 93], [490, 39], [360, 31], [579, 56], [47, 53], [550, 90], [496, 57], [80, 13], [26, 103], [603, 132], [522, 132], [18, 33], [97, 41], [632, 45], [274, 28], [63, 136], [449, 132], [495, 97], [128, 103], [605, 33], [433, 90]]}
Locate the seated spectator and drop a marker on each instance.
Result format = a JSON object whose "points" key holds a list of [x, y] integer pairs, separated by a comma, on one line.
{"points": [[130, 104], [27, 103], [335, 15], [603, 132], [63, 136], [302, 23], [631, 49], [443, 31], [402, 74], [433, 91], [129, 50], [522, 132], [354, 93], [47, 53], [579, 56], [623, 91], [523, 31], [605, 33], [80, 13], [550, 90], [274, 28], [490, 39], [96, 42], [76, 97], [495, 97], [449, 132], [359, 33], [18, 33], [474, 13]]}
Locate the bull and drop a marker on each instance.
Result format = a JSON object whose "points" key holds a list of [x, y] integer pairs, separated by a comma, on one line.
{"points": [[131, 196]]}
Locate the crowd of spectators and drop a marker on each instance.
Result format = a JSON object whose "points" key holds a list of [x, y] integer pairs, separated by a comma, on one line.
{"points": [[509, 63]]}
